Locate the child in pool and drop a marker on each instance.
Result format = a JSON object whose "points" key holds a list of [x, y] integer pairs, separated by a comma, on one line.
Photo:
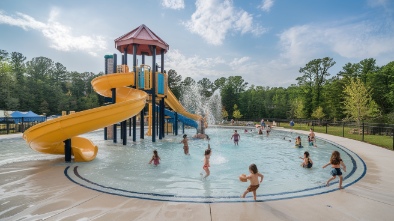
{"points": [[206, 166], [298, 142], [155, 158], [310, 142], [185, 144], [307, 163], [254, 180], [268, 130], [312, 137], [336, 163], [236, 136]]}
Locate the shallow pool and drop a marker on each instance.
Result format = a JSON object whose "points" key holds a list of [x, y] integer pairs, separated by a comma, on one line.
{"points": [[124, 170]]}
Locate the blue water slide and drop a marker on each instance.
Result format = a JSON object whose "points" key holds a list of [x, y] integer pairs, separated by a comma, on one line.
{"points": [[181, 118]]}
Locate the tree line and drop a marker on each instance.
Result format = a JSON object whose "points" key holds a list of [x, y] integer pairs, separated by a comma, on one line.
{"points": [[360, 91], [44, 86]]}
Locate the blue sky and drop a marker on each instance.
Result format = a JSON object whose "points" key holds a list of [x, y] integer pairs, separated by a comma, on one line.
{"points": [[264, 41]]}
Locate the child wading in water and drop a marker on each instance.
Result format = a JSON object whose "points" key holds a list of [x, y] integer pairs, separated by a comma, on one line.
{"points": [[155, 158], [307, 163], [236, 136], [206, 166], [336, 163], [185, 144], [254, 180]]}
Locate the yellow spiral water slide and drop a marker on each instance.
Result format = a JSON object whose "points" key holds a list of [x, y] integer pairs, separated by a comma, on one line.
{"points": [[48, 137]]}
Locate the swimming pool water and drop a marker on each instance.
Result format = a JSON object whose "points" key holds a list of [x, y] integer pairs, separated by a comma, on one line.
{"points": [[124, 170]]}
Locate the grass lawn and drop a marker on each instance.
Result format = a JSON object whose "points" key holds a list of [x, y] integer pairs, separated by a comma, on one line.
{"points": [[348, 132]]}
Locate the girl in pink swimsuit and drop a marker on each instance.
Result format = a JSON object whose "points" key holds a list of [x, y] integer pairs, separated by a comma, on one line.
{"points": [[206, 162], [155, 158]]}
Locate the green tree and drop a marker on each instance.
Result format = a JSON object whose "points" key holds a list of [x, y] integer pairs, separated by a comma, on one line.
{"points": [[7, 83], [358, 103], [318, 113], [236, 113], [188, 82], [206, 87], [20, 91], [224, 114], [231, 90], [334, 97], [175, 83], [314, 77], [298, 108], [382, 84]]}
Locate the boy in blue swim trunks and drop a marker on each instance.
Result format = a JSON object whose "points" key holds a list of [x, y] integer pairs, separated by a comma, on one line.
{"points": [[336, 163]]}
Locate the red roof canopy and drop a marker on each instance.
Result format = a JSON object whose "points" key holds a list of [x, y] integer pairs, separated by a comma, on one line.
{"points": [[142, 36]]}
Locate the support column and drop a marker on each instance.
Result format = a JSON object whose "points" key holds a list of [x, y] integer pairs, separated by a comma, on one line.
{"points": [[163, 117], [142, 117], [176, 124], [114, 98], [161, 123], [124, 124], [115, 125], [162, 100], [125, 132], [158, 119], [129, 127], [153, 50], [121, 129], [135, 85], [67, 150]]}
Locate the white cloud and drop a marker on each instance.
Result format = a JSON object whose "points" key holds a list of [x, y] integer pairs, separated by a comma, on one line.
{"points": [[253, 71], [266, 5], [60, 36], [194, 66], [173, 4], [213, 19], [238, 62], [361, 40]]}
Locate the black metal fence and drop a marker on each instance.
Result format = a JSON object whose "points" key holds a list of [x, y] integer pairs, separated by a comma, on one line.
{"points": [[379, 134], [10, 125]]}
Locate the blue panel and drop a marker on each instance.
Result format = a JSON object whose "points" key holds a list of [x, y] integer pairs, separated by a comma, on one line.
{"points": [[181, 118], [160, 86], [141, 79]]}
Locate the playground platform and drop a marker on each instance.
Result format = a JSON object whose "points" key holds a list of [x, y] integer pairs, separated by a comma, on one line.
{"points": [[39, 190]]}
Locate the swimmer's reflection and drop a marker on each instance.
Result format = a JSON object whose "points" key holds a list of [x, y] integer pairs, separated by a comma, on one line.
{"points": [[207, 188]]}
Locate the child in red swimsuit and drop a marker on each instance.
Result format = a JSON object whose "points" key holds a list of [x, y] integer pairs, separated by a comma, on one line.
{"points": [[185, 145], [206, 166], [155, 158]]}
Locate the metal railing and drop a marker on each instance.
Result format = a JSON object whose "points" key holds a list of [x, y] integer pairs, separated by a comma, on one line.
{"points": [[10, 125], [375, 133]]}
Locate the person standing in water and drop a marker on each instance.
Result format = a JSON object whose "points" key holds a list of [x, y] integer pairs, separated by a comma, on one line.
{"points": [[236, 137], [155, 158], [206, 166], [312, 136], [185, 145]]}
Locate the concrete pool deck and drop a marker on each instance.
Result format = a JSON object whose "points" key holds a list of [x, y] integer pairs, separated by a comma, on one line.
{"points": [[39, 190]]}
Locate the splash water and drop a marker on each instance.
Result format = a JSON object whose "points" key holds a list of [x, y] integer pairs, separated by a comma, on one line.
{"points": [[194, 101]]}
